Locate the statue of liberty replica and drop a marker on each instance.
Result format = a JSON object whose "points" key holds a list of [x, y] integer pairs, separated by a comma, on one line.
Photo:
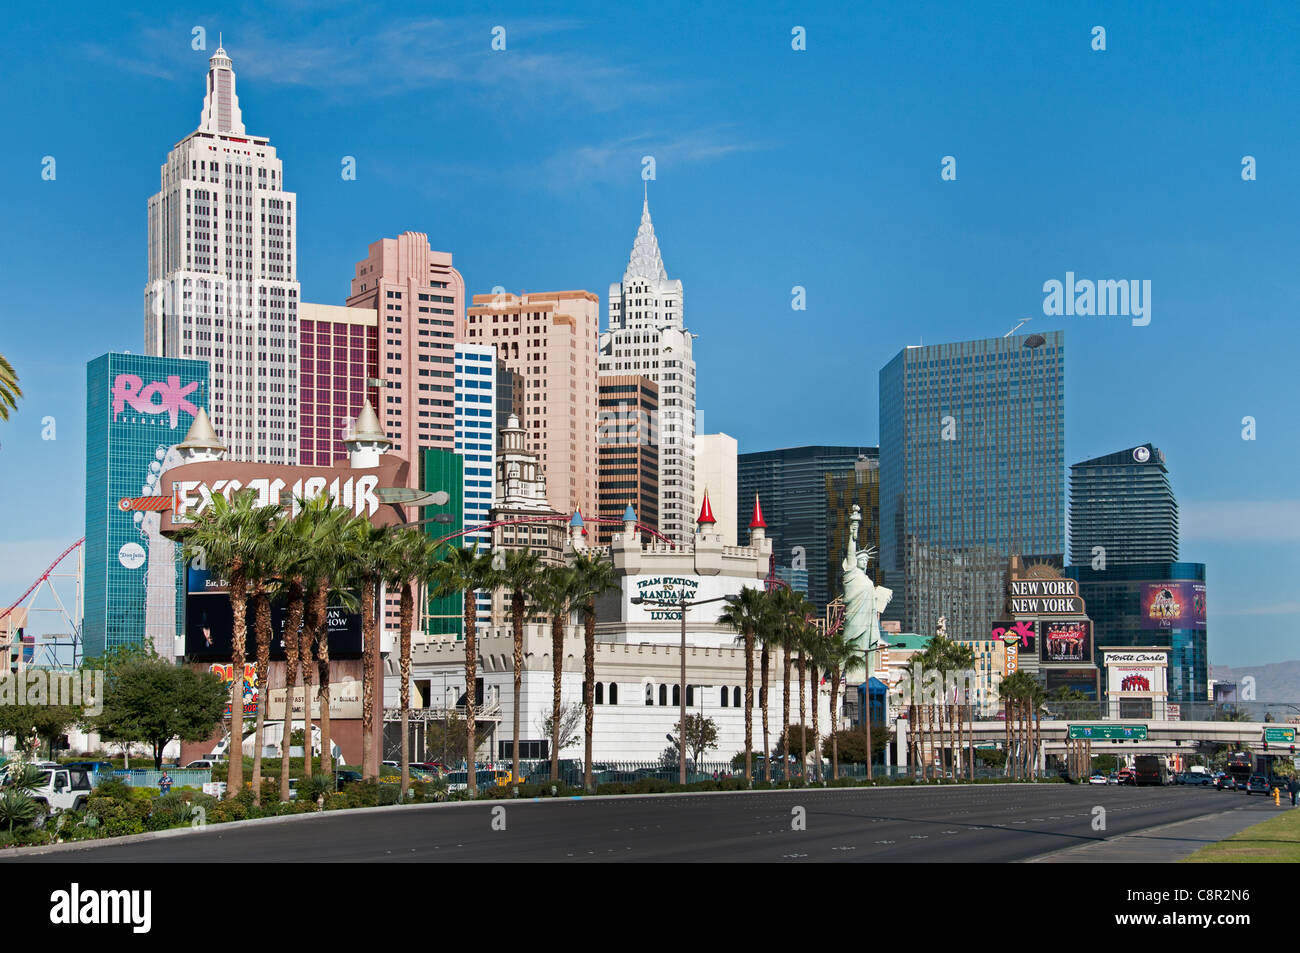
{"points": [[863, 599]]}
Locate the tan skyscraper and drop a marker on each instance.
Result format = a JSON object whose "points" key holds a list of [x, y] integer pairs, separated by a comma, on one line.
{"points": [[550, 338]]}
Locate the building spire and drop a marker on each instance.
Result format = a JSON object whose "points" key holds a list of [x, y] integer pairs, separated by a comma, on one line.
{"points": [[645, 261], [220, 103]]}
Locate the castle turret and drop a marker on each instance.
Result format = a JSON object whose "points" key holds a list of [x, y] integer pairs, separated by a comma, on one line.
{"points": [[201, 443], [366, 441]]}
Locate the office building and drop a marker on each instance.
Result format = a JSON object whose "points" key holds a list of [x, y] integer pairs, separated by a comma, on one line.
{"points": [[339, 354], [223, 282], [792, 484], [476, 443], [647, 336], [1154, 605], [628, 451], [971, 471], [1122, 510], [550, 339]]}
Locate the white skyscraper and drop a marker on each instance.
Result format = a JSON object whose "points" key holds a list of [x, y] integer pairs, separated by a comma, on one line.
{"points": [[646, 336], [223, 275]]}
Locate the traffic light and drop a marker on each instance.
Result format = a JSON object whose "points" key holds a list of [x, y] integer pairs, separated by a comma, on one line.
{"points": [[1265, 745]]}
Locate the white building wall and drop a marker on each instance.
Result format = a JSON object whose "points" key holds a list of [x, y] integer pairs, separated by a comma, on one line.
{"points": [[715, 472]]}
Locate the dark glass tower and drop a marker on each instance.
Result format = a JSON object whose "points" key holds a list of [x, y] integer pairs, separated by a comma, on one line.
{"points": [[1123, 503], [791, 484], [972, 467]]}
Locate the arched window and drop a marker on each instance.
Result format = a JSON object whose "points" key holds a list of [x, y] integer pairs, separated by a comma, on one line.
{"points": [[613, 693], [649, 694], [663, 694], [600, 693], [677, 694], [736, 699], [690, 696], [725, 696]]}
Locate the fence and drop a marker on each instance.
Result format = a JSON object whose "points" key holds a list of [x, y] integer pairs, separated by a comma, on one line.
{"points": [[148, 778]]}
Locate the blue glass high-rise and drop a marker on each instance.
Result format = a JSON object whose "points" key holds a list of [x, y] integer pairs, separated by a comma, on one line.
{"points": [[972, 444]]}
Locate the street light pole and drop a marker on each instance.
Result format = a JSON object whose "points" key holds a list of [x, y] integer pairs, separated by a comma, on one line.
{"points": [[682, 605]]}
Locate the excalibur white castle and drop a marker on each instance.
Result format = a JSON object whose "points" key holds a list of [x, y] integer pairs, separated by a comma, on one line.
{"points": [[223, 282], [638, 656]]}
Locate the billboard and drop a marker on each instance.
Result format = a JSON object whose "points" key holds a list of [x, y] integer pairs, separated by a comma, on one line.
{"points": [[209, 625], [1066, 641], [1173, 605], [1026, 630], [1080, 679]]}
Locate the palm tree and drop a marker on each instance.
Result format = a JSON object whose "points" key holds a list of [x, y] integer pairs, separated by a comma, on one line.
{"points": [[409, 552], [596, 577], [520, 575], [961, 658], [372, 555], [9, 389], [295, 550], [263, 580], [227, 533], [747, 613], [464, 570], [769, 636], [840, 658], [786, 601], [559, 587]]}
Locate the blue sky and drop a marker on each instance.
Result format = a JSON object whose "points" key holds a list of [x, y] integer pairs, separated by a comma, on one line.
{"points": [[775, 168]]}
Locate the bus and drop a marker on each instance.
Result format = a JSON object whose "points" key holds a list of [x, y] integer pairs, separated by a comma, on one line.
{"points": [[1241, 765]]}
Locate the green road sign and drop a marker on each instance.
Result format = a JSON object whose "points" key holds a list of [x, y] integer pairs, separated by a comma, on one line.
{"points": [[1108, 732], [1283, 736]]}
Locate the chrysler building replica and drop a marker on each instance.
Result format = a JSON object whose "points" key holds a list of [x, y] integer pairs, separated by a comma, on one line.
{"points": [[223, 282], [646, 336]]}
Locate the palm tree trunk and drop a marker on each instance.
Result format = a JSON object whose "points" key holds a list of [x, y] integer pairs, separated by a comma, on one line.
{"points": [[320, 632], [407, 619], [814, 689], [765, 660], [262, 622], [517, 605], [369, 596], [803, 730], [749, 706], [835, 723], [471, 691], [238, 643], [785, 714], [589, 690], [557, 673], [292, 623]]}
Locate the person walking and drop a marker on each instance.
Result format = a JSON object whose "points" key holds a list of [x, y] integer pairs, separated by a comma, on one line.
{"points": [[165, 785], [1293, 786]]}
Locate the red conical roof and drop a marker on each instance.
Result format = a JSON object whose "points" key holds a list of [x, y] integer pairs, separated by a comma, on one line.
{"points": [[706, 511], [756, 521]]}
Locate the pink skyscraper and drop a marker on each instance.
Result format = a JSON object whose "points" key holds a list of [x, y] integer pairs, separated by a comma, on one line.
{"points": [[419, 299]]}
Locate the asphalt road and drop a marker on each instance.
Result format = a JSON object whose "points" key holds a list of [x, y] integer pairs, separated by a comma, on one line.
{"points": [[922, 824]]}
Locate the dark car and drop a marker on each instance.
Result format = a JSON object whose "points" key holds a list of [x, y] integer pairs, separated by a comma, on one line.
{"points": [[344, 776], [1258, 784]]}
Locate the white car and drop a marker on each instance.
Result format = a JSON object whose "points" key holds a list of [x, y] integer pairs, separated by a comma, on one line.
{"points": [[1099, 779], [203, 764], [61, 789]]}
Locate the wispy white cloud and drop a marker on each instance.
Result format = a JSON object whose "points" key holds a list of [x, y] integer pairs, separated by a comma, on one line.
{"points": [[350, 55], [615, 160], [1240, 521]]}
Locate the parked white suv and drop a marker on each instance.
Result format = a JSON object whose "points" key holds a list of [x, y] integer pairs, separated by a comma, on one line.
{"points": [[61, 789]]}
